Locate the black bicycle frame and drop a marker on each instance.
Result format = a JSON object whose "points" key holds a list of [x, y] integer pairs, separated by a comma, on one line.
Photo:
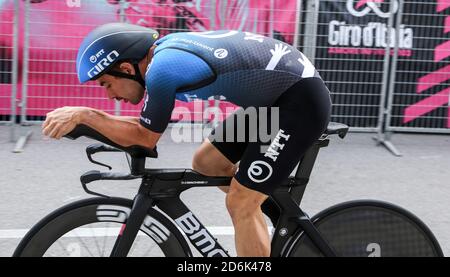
{"points": [[162, 188]]}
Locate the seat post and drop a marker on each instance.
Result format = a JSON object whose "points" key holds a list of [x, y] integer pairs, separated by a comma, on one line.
{"points": [[305, 168]]}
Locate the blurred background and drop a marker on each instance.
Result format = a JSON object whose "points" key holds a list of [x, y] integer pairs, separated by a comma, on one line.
{"points": [[386, 62]]}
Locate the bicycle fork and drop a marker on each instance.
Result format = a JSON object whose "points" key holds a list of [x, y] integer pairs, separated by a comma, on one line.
{"points": [[142, 203]]}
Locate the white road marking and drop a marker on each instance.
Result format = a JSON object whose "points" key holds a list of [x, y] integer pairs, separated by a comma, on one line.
{"points": [[101, 232], [109, 232]]}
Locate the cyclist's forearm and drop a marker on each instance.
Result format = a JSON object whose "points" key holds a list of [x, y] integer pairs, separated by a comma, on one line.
{"points": [[105, 114], [123, 130]]}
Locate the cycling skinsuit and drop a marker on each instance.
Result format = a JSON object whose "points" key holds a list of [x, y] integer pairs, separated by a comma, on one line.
{"points": [[250, 71]]}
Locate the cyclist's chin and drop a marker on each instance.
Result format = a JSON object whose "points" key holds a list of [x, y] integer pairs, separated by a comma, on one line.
{"points": [[134, 101]]}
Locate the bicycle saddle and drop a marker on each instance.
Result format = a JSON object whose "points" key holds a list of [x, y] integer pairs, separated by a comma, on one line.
{"points": [[335, 128]]}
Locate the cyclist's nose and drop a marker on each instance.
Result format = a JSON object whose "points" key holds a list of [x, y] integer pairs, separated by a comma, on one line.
{"points": [[110, 94]]}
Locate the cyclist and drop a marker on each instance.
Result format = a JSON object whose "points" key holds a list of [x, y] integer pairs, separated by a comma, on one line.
{"points": [[246, 69]]}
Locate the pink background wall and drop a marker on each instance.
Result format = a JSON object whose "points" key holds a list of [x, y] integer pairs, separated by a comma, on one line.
{"points": [[56, 30]]}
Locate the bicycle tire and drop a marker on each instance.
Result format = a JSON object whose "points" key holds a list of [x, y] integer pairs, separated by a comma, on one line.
{"points": [[62, 221], [368, 228]]}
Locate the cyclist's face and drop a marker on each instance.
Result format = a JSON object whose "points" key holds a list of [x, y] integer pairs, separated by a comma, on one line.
{"points": [[122, 89]]}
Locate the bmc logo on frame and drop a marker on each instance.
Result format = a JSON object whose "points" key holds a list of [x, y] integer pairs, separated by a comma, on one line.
{"points": [[199, 236], [355, 7]]}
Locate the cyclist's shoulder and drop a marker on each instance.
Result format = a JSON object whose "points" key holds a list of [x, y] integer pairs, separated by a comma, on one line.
{"points": [[165, 38], [174, 68], [173, 60]]}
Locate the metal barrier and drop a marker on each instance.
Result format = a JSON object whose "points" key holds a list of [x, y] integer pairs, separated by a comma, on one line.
{"points": [[419, 97], [386, 62], [49, 51], [9, 66], [352, 63], [50, 79]]}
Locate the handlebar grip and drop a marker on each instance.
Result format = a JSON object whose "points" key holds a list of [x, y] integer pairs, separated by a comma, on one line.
{"points": [[136, 151]]}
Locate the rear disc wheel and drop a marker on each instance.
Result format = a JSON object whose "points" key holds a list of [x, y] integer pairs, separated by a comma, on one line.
{"points": [[369, 229]]}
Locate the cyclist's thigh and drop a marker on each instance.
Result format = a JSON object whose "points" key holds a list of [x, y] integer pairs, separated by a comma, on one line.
{"points": [[230, 138], [304, 112], [208, 160]]}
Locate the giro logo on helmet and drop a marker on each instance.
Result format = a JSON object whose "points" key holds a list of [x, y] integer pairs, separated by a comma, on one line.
{"points": [[95, 57], [103, 63], [370, 5]]}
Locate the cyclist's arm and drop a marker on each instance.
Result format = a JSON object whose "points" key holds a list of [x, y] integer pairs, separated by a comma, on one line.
{"points": [[123, 130], [170, 71]]}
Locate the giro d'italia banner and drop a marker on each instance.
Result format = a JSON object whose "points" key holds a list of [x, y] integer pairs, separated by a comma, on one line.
{"points": [[422, 90], [352, 40]]}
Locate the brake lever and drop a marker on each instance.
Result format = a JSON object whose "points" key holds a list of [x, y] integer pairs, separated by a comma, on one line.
{"points": [[98, 147]]}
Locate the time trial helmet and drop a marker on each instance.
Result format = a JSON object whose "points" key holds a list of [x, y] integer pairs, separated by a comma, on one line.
{"points": [[110, 43]]}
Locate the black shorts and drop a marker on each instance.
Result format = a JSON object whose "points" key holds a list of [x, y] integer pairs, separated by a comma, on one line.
{"points": [[267, 157]]}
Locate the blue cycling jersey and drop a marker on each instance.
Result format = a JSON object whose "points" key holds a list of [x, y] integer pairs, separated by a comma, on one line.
{"points": [[244, 68]]}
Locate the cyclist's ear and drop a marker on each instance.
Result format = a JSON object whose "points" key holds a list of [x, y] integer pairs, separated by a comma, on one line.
{"points": [[125, 67]]}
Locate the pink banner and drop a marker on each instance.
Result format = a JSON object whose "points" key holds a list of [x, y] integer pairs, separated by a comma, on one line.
{"points": [[434, 79], [57, 28]]}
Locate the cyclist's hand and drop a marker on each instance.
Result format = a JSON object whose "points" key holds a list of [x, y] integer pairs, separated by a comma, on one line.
{"points": [[61, 121]]}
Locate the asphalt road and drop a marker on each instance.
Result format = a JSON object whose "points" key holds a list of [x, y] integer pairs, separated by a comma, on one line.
{"points": [[46, 176]]}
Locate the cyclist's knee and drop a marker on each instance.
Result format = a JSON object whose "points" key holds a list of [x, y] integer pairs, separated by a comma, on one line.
{"points": [[208, 163], [199, 164], [239, 207], [243, 203], [202, 164]]}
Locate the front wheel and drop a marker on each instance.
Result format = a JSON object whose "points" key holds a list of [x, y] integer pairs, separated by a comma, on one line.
{"points": [[89, 228], [368, 229]]}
